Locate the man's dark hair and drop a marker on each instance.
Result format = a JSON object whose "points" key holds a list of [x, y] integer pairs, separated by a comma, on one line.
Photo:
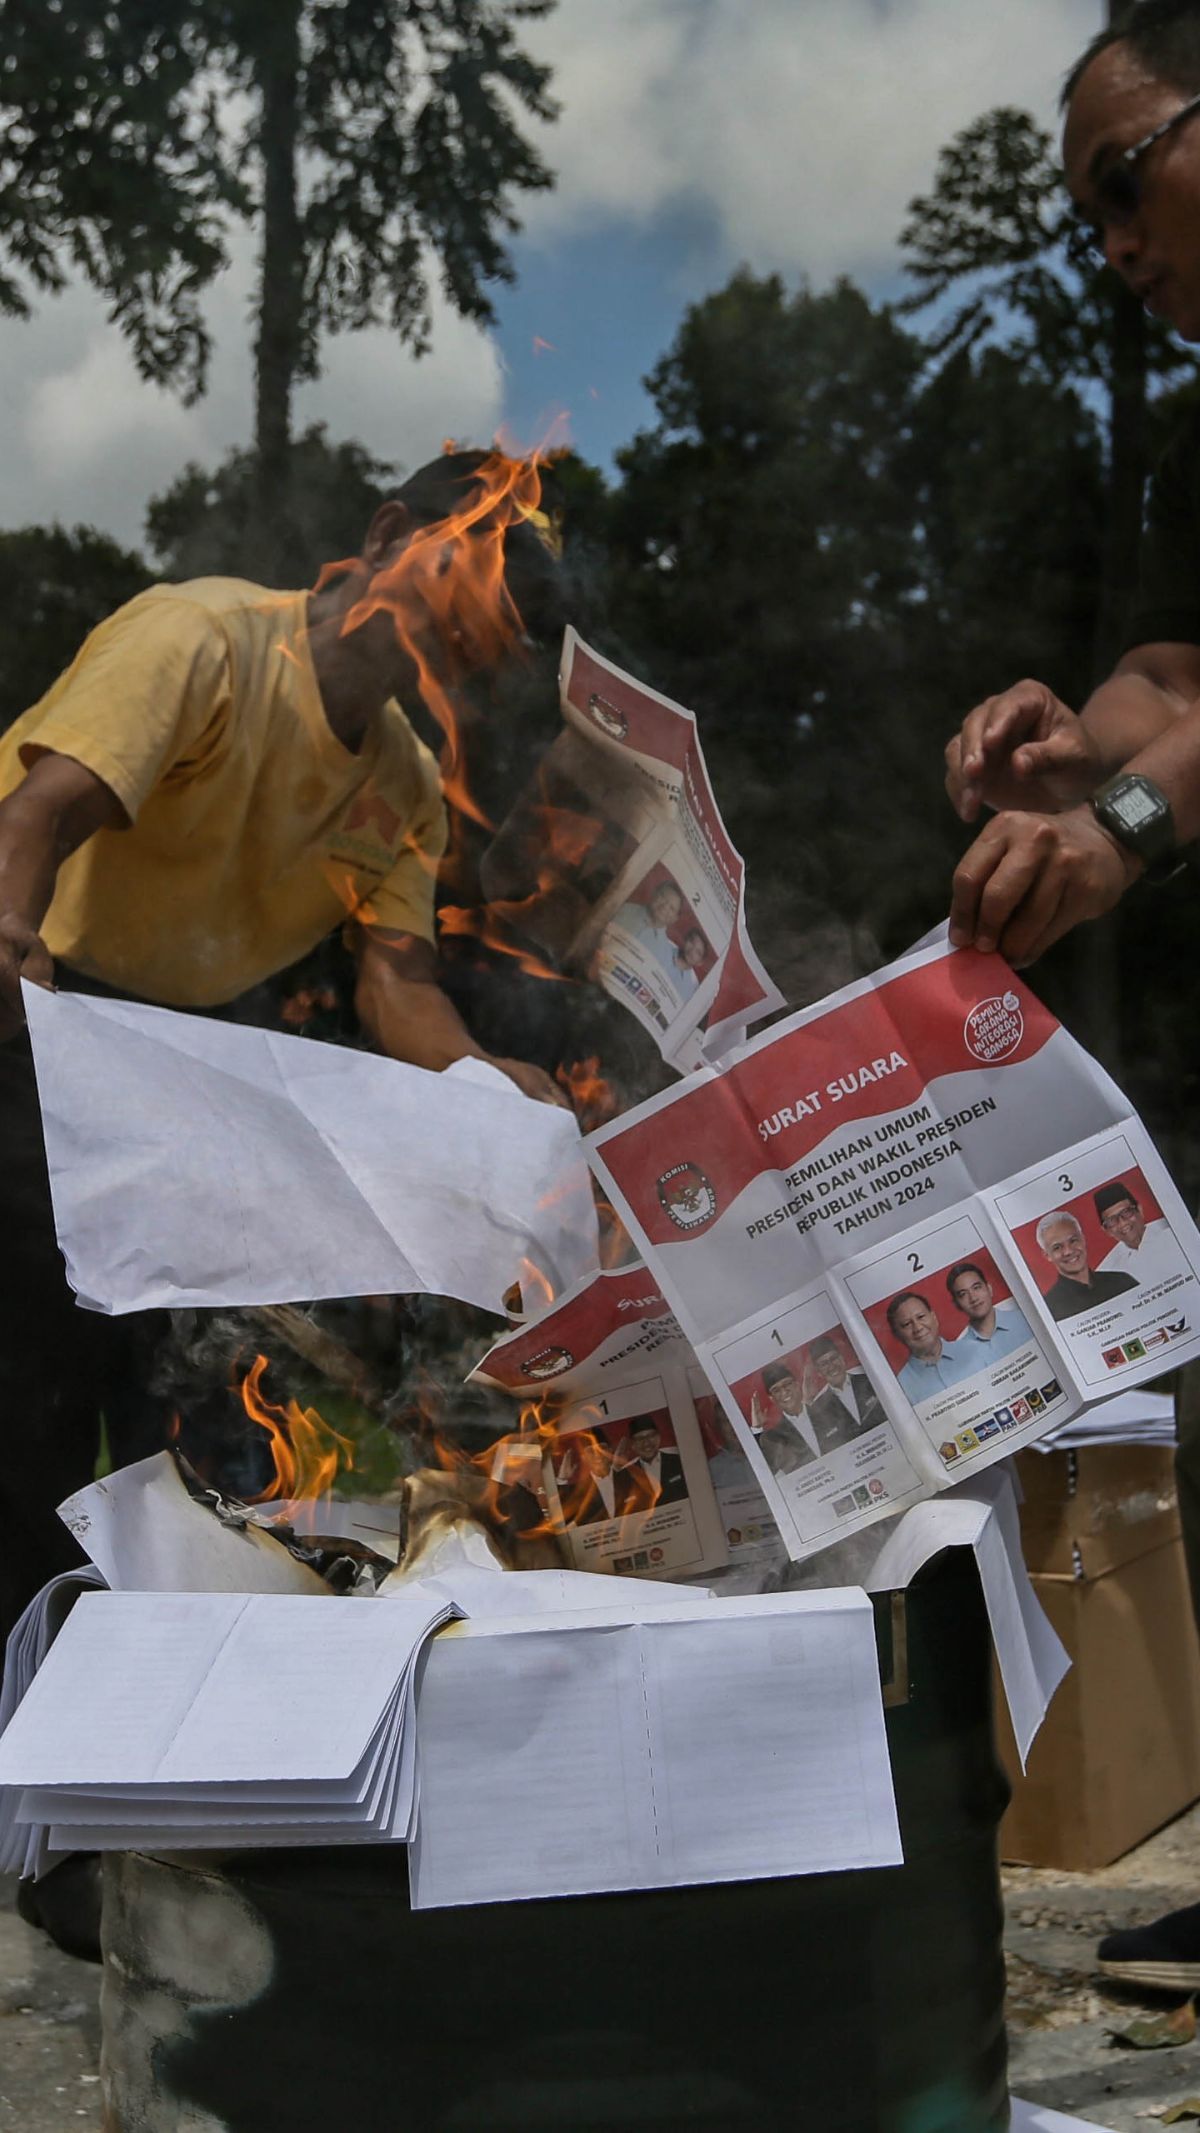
{"points": [[776, 1372], [531, 573], [822, 1345], [1164, 34], [965, 1266], [907, 1296]]}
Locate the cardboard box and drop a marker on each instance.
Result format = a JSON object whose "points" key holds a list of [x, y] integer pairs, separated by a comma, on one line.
{"points": [[1119, 1753], [1088, 1511]]}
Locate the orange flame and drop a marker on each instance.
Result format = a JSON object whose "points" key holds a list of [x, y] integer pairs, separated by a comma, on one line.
{"points": [[593, 1099], [306, 1451], [518, 1461], [448, 601], [559, 840]]}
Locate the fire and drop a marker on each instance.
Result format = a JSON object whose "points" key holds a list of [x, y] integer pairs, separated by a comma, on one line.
{"points": [[306, 1451], [593, 1099], [530, 928], [448, 601], [508, 1484]]}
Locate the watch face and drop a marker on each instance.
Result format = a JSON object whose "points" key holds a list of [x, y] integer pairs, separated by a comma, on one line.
{"points": [[1135, 807]]}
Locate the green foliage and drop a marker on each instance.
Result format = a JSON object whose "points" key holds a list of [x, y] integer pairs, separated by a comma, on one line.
{"points": [[55, 586], [997, 232], [831, 554], [123, 140], [111, 166], [203, 525]]}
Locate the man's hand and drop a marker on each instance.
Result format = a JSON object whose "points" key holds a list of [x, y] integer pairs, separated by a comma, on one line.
{"points": [[532, 1080], [1021, 750], [1028, 879], [23, 954]]}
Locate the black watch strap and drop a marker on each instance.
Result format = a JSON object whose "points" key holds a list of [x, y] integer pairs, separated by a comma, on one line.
{"points": [[1135, 811]]}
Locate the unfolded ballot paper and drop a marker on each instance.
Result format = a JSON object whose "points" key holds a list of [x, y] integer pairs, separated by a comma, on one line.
{"points": [[726, 1741], [199, 1162]]}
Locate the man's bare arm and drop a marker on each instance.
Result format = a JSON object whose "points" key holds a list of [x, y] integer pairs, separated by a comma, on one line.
{"points": [[1025, 749], [55, 809], [1029, 878], [403, 1009]]}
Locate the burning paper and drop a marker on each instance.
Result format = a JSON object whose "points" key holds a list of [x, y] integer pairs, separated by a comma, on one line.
{"points": [[617, 863], [642, 1465], [890, 1228], [146, 1533], [199, 1162]]}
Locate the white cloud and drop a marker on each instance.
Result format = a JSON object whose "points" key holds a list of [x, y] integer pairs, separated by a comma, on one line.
{"points": [[797, 128], [802, 127], [84, 439]]}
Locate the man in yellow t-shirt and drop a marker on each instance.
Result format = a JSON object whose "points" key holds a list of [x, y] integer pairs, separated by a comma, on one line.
{"points": [[221, 778]]}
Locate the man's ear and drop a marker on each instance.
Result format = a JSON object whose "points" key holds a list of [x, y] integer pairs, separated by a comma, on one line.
{"points": [[391, 525]]}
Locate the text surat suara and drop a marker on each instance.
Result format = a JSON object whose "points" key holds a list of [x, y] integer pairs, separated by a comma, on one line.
{"points": [[907, 1230]]}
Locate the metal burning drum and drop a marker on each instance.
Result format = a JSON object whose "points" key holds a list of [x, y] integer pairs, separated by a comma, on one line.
{"points": [[295, 1992]]}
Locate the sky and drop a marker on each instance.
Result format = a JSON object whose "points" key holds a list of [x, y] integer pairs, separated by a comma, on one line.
{"points": [[695, 136]]}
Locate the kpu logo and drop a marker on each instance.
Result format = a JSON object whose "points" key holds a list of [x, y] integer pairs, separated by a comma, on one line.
{"points": [[686, 1196], [609, 719], [548, 1363]]}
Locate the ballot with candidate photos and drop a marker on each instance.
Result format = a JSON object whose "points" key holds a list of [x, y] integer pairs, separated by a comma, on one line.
{"points": [[625, 1461], [907, 1231]]}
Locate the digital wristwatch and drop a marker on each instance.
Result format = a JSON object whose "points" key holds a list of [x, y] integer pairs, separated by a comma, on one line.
{"points": [[1135, 811]]}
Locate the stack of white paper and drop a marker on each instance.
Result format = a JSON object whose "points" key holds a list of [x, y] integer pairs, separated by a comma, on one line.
{"points": [[1138, 1417], [30, 1640], [720, 1740], [222, 1719]]}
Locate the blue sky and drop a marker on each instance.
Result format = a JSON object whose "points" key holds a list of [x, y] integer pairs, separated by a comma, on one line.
{"points": [[695, 135]]}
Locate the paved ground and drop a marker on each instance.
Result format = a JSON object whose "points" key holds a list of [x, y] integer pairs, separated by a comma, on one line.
{"points": [[49, 2032], [1059, 2021], [1062, 2052]]}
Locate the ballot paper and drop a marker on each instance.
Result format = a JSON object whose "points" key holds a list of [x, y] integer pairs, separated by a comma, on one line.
{"points": [[194, 1161], [615, 862], [146, 1533], [626, 1477], [724, 1741], [982, 1515], [915, 1223], [1140, 1417], [222, 1719]]}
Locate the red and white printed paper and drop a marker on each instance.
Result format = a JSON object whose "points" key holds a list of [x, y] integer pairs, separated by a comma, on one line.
{"points": [[618, 863], [902, 1230], [613, 1352]]}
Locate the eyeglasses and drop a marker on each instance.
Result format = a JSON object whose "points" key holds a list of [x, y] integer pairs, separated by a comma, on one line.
{"points": [[1117, 193]]}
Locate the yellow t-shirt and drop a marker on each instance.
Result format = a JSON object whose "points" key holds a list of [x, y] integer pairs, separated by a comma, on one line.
{"points": [[254, 830]]}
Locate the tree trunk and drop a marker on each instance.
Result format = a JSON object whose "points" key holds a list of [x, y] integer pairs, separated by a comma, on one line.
{"points": [[281, 284]]}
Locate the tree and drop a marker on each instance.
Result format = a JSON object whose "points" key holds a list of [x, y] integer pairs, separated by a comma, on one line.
{"points": [[112, 166], [997, 233], [202, 525], [824, 547], [381, 136], [55, 586], [762, 528], [380, 145]]}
